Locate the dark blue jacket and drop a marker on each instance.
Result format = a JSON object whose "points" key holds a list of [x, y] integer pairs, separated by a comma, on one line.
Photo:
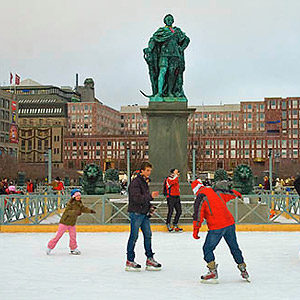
{"points": [[139, 196]]}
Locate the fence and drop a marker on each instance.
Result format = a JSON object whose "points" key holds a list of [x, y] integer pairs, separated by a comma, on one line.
{"points": [[112, 209]]}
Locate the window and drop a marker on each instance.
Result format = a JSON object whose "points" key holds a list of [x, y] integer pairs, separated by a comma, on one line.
{"points": [[98, 144], [284, 115]]}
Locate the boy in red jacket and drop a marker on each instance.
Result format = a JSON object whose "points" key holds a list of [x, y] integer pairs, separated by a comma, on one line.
{"points": [[210, 205]]}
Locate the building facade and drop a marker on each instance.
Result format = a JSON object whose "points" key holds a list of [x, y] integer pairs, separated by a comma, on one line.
{"points": [[8, 124], [43, 119]]}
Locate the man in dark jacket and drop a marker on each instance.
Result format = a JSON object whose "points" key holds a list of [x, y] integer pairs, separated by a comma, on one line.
{"points": [[140, 210]]}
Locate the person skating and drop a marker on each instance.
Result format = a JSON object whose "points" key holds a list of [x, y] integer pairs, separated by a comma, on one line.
{"points": [[140, 210], [173, 200], [210, 205], [68, 220]]}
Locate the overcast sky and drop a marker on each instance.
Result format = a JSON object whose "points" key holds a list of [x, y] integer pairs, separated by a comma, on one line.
{"points": [[239, 50]]}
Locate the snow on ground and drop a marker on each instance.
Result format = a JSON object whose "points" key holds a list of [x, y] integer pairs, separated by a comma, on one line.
{"points": [[26, 272]]}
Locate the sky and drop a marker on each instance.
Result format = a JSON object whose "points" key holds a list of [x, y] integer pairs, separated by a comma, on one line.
{"points": [[239, 49]]}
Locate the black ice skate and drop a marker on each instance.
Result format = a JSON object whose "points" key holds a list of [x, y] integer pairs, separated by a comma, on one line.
{"points": [[177, 229], [212, 274], [244, 273], [152, 265], [132, 266], [170, 228]]}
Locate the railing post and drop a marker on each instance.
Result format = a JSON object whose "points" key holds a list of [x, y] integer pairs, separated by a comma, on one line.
{"points": [[236, 212], [58, 202], [2, 208], [36, 206], [103, 210], [27, 199]]}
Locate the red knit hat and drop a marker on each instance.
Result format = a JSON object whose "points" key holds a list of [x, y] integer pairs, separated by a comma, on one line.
{"points": [[196, 185]]}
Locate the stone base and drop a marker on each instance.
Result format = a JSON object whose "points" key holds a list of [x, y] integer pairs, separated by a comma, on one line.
{"points": [[168, 137]]}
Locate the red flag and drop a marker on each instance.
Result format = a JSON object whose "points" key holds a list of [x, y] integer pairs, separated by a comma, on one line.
{"points": [[11, 78], [17, 79]]}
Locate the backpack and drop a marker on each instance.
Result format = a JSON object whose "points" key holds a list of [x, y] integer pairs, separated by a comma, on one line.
{"points": [[165, 189]]}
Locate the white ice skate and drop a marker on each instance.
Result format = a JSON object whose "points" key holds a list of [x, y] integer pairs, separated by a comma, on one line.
{"points": [[75, 252], [132, 266], [153, 265], [212, 274]]}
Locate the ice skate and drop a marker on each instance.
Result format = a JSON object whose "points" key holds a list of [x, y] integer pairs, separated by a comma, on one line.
{"points": [[152, 265], [48, 251], [244, 273], [170, 228], [132, 266], [75, 252], [212, 274], [177, 229]]}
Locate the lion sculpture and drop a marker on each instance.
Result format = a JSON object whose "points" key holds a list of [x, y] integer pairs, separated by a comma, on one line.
{"points": [[92, 182], [243, 179], [221, 180], [112, 181]]}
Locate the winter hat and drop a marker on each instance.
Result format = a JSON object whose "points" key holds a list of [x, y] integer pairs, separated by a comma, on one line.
{"points": [[196, 185], [75, 193], [12, 188]]}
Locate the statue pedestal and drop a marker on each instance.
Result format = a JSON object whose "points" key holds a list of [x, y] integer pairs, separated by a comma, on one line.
{"points": [[168, 137]]}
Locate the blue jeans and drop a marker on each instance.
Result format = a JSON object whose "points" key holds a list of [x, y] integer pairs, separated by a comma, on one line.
{"points": [[138, 221], [214, 237]]}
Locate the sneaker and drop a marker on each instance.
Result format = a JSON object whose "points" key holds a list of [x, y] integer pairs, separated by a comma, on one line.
{"points": [[244, 273], [132, 266], [177, 229], [212, 274], [75, 252], [48, 251], [170, 228], [152, 265]]}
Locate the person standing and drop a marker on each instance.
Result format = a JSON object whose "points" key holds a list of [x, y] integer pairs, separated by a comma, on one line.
{"points": [[29, 188], [173, 200], [140, 210], [210, 204], [58, 185]]}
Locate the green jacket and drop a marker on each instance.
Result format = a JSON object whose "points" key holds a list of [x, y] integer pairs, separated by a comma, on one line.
{"points": [[73, 210]]}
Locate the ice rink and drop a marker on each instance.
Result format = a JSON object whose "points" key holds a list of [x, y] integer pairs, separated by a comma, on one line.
{"points": [[28, 273]]}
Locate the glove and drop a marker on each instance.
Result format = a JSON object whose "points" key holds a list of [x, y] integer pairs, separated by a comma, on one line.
{"points": [[151, 212], [92, 211], [238, 194], [196, 231]]}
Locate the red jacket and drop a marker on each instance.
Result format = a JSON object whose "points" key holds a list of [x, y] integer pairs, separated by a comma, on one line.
{"points": [[59, 187], [30, 187], [173, 186], [211, 205]]}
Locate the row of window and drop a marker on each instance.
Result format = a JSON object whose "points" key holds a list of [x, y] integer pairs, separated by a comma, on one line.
{"points": [[4, 103], [40, 111]]}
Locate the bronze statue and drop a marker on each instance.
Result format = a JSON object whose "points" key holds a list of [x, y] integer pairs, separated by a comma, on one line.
{"points": [[165, 59]]}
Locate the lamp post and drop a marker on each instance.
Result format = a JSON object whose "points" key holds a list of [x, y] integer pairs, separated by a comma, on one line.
{"points": [[128, 167], [270, 168]]}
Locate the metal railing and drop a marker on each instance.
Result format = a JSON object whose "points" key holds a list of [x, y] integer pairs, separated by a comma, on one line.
{"points": [[30, 209], [112, 209]]}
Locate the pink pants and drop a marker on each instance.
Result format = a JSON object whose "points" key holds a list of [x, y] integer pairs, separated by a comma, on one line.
{"points": [[62, 228]]}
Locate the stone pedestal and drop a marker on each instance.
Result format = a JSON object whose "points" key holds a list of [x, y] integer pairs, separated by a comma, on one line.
{"points": [[168, 138]]}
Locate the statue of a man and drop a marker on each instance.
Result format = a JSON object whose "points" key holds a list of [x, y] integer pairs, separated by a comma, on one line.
{"points": [[165, 58]]}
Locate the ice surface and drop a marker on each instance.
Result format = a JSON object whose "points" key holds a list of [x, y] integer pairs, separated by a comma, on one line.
{"points": [[26, 272]]}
